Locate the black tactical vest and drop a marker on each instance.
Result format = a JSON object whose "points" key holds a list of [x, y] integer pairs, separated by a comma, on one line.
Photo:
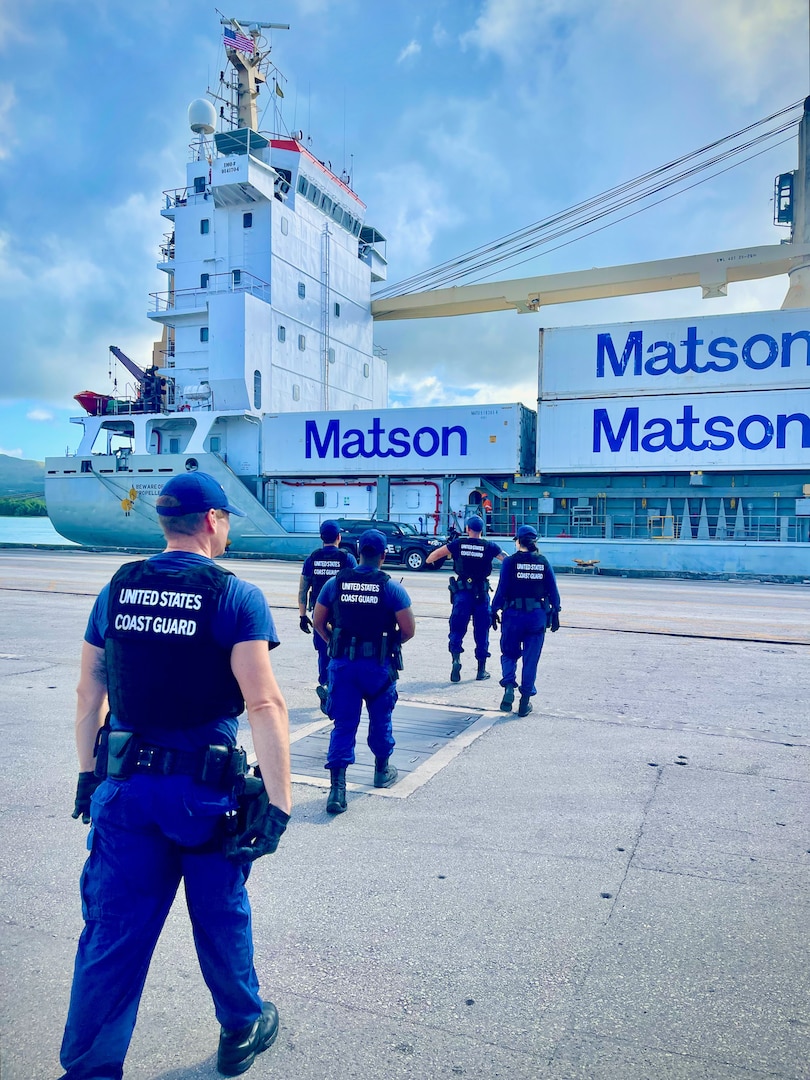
{"points": [[165, 669], [360, 610], [327, 562], [527, 576], [472, 564]]}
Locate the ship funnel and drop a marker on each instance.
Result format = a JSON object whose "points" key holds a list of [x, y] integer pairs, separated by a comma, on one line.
{"points": [[202, 117]]}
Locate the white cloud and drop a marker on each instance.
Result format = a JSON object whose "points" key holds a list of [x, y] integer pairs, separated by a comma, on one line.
{"points": [[417, 208], [17, 452], [39, 415], [8, 101], [440, 35], [413, 48]]}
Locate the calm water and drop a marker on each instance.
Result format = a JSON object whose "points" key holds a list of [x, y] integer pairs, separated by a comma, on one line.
{"points": [[35, 530]]}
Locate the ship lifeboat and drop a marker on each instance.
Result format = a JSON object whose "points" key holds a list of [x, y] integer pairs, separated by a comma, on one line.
{"points": [[93, 403]]}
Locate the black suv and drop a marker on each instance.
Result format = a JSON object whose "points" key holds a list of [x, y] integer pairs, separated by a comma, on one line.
{"points": [[404, 544]]}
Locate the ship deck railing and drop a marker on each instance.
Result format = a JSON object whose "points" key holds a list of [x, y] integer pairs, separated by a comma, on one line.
{"points": [[235, 281]]}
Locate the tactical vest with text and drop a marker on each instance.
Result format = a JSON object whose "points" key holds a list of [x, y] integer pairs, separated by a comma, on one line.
{"points": [[165, 669], [360, 610], [327, 562]]}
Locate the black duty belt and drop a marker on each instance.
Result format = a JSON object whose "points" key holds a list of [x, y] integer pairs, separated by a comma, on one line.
{"points": [[128, 755], [525, 603]]}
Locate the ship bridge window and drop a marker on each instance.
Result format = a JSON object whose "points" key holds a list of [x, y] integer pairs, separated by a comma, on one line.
{"points": [[205, 226], [302, 185], [247, 221], [257, 389], [337, 213], [314, 194], [326, 204]]}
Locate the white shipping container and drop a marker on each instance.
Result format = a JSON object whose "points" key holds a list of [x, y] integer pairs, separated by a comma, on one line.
{"points": [[756, 350], [685, 433], [474, 439]]}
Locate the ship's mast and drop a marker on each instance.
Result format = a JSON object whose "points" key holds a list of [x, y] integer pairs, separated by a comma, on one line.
{"points": [[248, 66]]}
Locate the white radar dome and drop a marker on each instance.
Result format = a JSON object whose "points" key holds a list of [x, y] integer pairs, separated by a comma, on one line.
{"points": [[202, 117]]}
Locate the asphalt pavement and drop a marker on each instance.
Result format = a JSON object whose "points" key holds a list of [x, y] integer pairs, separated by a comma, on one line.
{"points": [[612, 888]]}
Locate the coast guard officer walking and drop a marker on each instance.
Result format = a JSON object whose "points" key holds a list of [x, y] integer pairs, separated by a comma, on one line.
{"points": [[528, 596], [472, 558], [365, 617], [180, 646], [321, 565]]}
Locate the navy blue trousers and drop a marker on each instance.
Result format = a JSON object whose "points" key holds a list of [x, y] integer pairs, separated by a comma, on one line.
{"points": [[466, 607], [351, 683], [322, 649], [139, 845], [522, 634]]}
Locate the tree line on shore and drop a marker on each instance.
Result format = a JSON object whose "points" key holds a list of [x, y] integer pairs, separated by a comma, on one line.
{"points": [[22, 506]]}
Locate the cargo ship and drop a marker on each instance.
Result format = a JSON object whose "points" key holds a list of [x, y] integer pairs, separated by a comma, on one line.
{"points": [[677, 446]]}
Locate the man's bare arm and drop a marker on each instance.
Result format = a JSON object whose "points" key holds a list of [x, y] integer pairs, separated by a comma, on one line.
{"points": [[91, 703], [406, 623], [439, 553], [320, 618], [267, 716]]}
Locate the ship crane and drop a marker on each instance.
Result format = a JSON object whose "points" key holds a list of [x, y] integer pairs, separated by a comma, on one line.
{"points": [[151, 384], [711, 272]]}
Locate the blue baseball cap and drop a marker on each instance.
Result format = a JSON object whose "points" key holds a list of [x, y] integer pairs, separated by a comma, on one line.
{"points": [[330, 531], [526, 532], [372, 542], [195, 493], [475, 523]]}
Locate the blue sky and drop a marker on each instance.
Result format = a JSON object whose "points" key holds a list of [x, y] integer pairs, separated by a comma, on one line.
{"points": [[461, 120]]}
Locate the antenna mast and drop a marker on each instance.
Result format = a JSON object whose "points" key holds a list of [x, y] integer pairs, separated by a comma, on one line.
{"points": [[249, 65]]}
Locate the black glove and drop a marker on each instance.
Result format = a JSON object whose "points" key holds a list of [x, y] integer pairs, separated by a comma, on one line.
{"points": [[554, 621], [494, 620], [304, 623], [88, 782], [264, 826]]}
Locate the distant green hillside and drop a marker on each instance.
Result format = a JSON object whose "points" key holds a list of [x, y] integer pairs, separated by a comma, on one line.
{"points": [[18, 476]]}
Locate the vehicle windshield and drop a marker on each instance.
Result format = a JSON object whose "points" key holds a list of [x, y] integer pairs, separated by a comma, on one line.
{"points": [[409, 529]]}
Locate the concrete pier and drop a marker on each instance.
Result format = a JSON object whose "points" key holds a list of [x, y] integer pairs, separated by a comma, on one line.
{"points": [[613, 888]]}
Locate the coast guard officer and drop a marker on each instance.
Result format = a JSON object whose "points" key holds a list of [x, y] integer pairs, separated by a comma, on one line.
{"points": [[180, 646], [321, 565], [365, 617], [472, 558], [528, 596]]}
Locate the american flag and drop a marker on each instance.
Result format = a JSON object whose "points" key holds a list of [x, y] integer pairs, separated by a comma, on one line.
{"points": [[235, 40]]}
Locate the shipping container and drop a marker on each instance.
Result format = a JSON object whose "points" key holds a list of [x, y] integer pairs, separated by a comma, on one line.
{"points": [[438, 441]]}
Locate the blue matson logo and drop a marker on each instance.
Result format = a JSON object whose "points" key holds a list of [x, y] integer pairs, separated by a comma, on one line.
{"points": [[376, 442], [755, 432], [758, 352]]}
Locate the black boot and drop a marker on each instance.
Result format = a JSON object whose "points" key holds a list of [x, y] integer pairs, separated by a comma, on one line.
{"points": [[455, 670], [336, 803], [323, 694], [482, 671], [525, 706], [384, 774], [238, 1049], [507, 699]]}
